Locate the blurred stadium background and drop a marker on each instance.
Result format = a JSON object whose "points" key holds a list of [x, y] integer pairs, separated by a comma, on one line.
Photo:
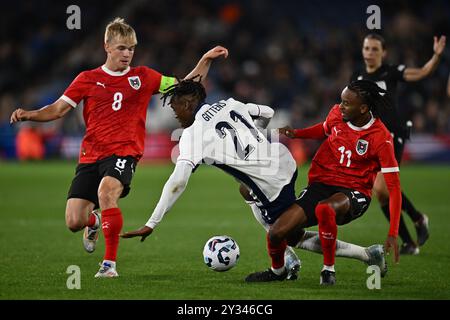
{"points": [[295, 56]]}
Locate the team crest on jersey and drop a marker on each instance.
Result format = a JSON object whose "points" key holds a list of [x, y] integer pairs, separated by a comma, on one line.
{"points": [[362, 146], [135, 82]]}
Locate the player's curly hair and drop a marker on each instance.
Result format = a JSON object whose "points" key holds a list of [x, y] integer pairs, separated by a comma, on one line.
{"points": [[370, 93], [187, 87]]}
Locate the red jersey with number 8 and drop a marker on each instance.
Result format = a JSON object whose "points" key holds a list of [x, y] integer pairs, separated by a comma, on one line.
{"points": [[352, 156], [114, 110]]}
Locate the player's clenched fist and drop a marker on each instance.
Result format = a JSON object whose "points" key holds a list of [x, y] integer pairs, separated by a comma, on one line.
{"points": [[216, 52], [287, 131], [439, 45], [18, 115]]}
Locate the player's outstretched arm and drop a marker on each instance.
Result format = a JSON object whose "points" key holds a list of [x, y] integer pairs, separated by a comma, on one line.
{"points": [[204, 63], [51, 112], [395, 206], [287, 131], [314, 132], [142, 232], [174, 187], [262, 114], [416, 74]]}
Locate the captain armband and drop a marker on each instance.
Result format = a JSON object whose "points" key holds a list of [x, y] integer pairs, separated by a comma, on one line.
{"points": [[166, 83]]}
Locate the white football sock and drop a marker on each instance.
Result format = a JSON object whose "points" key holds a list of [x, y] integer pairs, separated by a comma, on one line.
{"points": [[311, 242], [278, 271], [329, 268]]}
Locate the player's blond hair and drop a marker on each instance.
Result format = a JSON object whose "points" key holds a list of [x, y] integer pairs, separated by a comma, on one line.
{"points": [[119, 28]]}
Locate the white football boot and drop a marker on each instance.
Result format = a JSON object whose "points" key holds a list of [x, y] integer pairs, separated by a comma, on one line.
{"points": [[292, 263], [90, 234], [376, 257], [107, 270]]}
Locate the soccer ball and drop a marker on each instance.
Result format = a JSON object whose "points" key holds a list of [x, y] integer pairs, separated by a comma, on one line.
{"points": [[221, 253]]}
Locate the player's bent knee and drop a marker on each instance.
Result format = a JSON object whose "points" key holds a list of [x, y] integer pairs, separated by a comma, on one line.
{"points": [[74, 221], [74, 229], [74, 225], [275, 236], [107, 199], [109, 192], [325, 213], [323, 210], [294, 237]]}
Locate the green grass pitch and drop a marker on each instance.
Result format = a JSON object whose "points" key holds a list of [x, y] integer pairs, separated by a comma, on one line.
{"points": [[36, 248]]}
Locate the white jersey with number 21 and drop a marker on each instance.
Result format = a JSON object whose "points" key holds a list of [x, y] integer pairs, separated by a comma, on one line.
{"points": [[224, 135]]}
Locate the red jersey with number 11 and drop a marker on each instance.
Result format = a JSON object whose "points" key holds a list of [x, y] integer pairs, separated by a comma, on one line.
{"points": [[115, 109], [352, 156]]}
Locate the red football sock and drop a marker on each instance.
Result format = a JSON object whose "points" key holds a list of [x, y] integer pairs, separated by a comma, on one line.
{"points": [[276, 253], [327, 232], [112, 222], [91, 220]]}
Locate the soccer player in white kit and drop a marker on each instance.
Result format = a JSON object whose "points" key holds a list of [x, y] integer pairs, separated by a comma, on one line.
{"points": [[224, 135]]}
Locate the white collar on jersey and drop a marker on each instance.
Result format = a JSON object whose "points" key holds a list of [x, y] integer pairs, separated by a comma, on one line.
{"points": [[115, 73], [364, 127]]}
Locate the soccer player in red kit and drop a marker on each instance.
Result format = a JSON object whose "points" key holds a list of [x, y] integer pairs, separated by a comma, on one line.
{"points": [[357, 145], [116, 97]]}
